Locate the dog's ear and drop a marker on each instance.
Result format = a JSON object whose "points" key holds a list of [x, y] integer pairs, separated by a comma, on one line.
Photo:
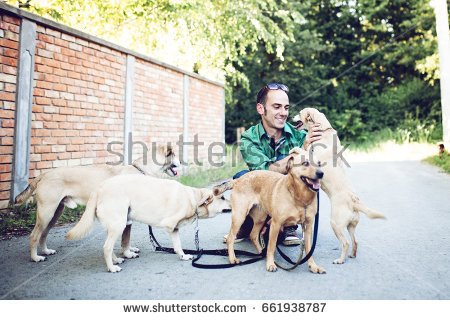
{"points": [[166, 149], [290, 164], [207, 198], [324, 123]]}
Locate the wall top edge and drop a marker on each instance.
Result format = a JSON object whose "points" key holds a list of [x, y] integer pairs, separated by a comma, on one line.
{"points": [[85, 36]]}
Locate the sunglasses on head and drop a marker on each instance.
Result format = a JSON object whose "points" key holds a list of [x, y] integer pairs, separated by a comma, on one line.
{"points": [[276, 86]]}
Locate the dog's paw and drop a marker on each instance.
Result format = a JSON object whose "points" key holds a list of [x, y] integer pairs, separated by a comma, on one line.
{"points": [[234, 261], [48, 252], [38, 258], [317, 269], [339, 261], [130, 254], [118, 260], [114, 269], [271, 267], [186, 257], [134, 249], [352, 256]]}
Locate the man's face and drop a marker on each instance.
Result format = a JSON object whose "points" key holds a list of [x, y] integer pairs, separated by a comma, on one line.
{"points": [[276, 110]]}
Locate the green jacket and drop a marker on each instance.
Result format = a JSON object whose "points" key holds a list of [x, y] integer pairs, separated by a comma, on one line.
{"points": [[257, 151]]}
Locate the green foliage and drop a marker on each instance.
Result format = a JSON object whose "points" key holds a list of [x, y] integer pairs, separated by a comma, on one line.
{"points": [[20, 220], [442, 161]]}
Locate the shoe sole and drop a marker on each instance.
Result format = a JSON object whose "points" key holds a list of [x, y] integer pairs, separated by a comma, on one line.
{"points": [[235, 240], [291, 243]]}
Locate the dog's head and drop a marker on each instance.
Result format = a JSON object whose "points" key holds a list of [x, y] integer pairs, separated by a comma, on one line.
{"points": [[212, 203], [301, 168], [162, 161], [309, 116]]}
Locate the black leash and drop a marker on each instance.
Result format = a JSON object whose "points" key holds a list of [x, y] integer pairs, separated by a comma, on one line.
{"points": [[201, 252], [224, 252]]}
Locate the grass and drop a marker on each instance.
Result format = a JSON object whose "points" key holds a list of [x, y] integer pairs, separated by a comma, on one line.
{"points": [[20, 220], [442, 161]]}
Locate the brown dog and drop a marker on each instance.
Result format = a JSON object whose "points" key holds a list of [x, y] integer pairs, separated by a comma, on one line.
{"points": [[345, 204], [289, 199]]}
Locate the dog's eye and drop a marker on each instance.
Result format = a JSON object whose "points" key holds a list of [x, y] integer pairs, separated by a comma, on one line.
{"points": [[305, 163], [222, 198]]}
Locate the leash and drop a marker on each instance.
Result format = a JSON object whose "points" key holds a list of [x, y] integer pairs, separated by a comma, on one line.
{"points": [[200, 252], [224, 252]]}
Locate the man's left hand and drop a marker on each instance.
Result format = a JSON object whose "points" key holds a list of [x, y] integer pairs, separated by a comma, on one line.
{"points": [[314, 134]]}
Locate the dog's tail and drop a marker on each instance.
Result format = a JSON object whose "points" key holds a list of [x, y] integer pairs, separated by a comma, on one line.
{"points": [[29, 190], [360, 207], [221, 188], [84, 226]]}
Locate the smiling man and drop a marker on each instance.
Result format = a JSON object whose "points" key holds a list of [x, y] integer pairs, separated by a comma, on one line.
{"points": [[265, 146]]}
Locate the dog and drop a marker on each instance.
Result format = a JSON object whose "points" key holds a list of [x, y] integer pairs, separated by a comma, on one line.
{"points": [[288, 199], [160, 203], [345, 204], [72, 186]]}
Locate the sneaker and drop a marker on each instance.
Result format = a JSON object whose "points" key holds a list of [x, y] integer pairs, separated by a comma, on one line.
{"points": [[239, 238], [290, 237]]}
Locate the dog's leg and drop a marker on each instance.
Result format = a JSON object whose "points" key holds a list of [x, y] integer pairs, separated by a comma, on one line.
{"points": [[351, 230], [43, 240], [108, 250], [313, 267], [259, 217], [128, 251], [44, 215], [338, 231], [177, 245], [237, 219], [275, 227]]}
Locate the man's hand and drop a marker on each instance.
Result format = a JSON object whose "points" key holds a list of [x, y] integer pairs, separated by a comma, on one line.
{"points": [[314, 134]]}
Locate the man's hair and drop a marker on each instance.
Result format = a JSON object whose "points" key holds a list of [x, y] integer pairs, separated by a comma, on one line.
{"points": [[261, 97]]}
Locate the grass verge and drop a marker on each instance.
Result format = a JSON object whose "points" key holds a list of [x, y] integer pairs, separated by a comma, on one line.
{"points": [[442, 161]]}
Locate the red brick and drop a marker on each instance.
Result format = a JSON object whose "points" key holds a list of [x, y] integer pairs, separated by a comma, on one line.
{"points": [[48, 157], [10, 53], [6, 114], [42, 149], [43, 165], [42, 100], [9, 43], [7, 123], [8, 96]]}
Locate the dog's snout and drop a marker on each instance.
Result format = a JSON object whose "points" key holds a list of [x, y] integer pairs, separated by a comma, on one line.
{"points": [[319, 174]]}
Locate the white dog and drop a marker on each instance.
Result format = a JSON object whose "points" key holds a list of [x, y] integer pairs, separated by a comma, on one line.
{"points": [[157, 202], [70, 186]]}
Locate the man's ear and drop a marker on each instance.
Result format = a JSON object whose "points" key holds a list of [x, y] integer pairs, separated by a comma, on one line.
{"points": [[207, 198], [260, 109]]}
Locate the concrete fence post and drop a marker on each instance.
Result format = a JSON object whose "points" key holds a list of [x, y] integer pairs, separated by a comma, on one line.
{"points": [[24, 103], [185, 150], [128, 123]]}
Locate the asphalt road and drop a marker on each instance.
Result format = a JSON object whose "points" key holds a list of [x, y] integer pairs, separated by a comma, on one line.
{"points": [[406, 256]]}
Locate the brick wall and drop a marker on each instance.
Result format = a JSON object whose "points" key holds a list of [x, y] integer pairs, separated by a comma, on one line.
{"points": [[78, 104]]}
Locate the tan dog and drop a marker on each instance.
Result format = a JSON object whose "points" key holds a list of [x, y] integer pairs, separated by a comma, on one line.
{"points": [[70, 186], [289, 199], [345, 205], [160, 203]]}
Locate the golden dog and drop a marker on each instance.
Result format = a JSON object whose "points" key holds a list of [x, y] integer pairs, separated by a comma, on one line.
{"points": [[345, 205], [288, 199]]}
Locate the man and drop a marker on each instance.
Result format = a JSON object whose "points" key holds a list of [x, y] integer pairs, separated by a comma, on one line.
{"points": [[266, 145]]}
